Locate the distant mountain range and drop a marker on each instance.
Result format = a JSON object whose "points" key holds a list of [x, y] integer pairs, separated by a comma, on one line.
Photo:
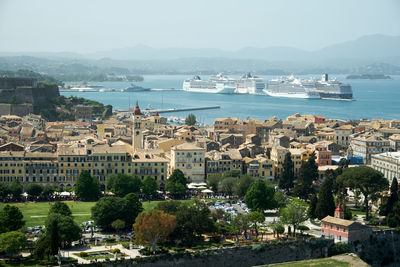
{"points": [[372, 50], [367, 47]]}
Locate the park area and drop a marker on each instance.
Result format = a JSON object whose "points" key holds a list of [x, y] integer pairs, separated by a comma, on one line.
{"points": [[35, 213]]}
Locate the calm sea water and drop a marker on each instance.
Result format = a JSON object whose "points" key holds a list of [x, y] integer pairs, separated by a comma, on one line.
{"points": [[374, 99]]}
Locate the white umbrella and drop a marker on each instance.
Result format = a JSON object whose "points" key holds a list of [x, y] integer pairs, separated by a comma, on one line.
{"points": [[65, 193], [207, 191], [24, 194]]}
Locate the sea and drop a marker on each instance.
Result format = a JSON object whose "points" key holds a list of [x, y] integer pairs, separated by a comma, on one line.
{"points": [[373, 99]]}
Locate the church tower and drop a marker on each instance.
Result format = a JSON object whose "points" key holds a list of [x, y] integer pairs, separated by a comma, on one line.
{"points": [[339, 213], [137, 136]]}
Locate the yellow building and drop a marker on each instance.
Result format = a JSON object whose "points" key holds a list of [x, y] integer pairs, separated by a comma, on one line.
{"points": [[220, 162], [36, 167], [260, 167], [298, 157], [149, 163], [189, 159]]}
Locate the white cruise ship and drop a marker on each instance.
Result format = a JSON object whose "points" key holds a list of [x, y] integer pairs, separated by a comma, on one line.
{"points": [[250, 84], [322, 89], [218, 84], [291, 87]]}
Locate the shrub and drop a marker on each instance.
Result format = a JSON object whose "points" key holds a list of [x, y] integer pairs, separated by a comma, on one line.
{"points": [[339, 248], [258, 248], [83, 254], [116, 250]]}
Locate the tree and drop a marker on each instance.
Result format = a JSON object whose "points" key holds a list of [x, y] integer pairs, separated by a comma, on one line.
{"points": [[232, 173], [393, 198], [61, 208], [307, 174], [295, 213], [313, 206], [125, 184], [52, 236], [4, 190], [227, 185], [62, 229], [11, 218], [153, 227], [370, 182], [241, 223], [213, 181], [134, 208], [260, 196], [393, 219], [16, 189], [109, 209], [150, 187], [118, 225], [176, 184], [34, 190], [170, 207], [192, 220], [287, 177], [110, 181], [256, 217], [242, 185], [280, 199], [277, 228], [48, 191], [12, 242], [190, 119], [326, 203], [87, 187]]}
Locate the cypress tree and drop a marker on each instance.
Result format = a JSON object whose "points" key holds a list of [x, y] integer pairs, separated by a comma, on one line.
{"points": [[313, 206], [326, 204], [287, 176], [308, 173], [393, 198]]}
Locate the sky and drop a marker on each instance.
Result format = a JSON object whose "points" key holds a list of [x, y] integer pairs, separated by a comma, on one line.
{"points": [[96, 25]]}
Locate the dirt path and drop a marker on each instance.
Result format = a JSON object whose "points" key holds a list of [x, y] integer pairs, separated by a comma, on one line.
{"points": [[352, 259]]}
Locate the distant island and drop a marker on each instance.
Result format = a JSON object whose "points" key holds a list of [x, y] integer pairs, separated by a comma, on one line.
{"points": [[368, 77]]}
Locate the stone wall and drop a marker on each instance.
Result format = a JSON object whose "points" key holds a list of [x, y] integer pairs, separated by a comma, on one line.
{"points": [[38, 94], [267, 253], [382, 248], [16, 109]]}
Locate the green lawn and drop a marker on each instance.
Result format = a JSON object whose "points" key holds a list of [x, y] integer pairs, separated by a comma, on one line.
{"points": [[316, 263], [36, 213]]}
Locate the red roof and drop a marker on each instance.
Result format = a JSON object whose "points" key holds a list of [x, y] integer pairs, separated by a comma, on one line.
{"points": [[339, 208], [137, 110]]}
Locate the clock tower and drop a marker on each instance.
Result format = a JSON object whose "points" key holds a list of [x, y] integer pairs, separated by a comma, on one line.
{"points": [[137, 136]]}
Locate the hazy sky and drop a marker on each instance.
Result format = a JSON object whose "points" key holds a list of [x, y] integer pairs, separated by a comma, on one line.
{"points": [[95, 25]]}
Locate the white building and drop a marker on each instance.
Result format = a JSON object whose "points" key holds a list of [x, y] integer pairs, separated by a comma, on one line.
{"points": [[388, 163], [367, 145]]}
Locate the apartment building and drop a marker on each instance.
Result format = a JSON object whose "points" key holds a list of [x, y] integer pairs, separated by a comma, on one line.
{"points": [[387, 163], [190, 159]]}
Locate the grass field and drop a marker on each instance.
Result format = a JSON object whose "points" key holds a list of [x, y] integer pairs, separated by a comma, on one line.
{"points": [[316, 263], [36, 213], [342, 260]]}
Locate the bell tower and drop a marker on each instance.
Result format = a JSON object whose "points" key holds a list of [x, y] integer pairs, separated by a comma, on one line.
{"points": [[137, 136], [339, 213]]}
